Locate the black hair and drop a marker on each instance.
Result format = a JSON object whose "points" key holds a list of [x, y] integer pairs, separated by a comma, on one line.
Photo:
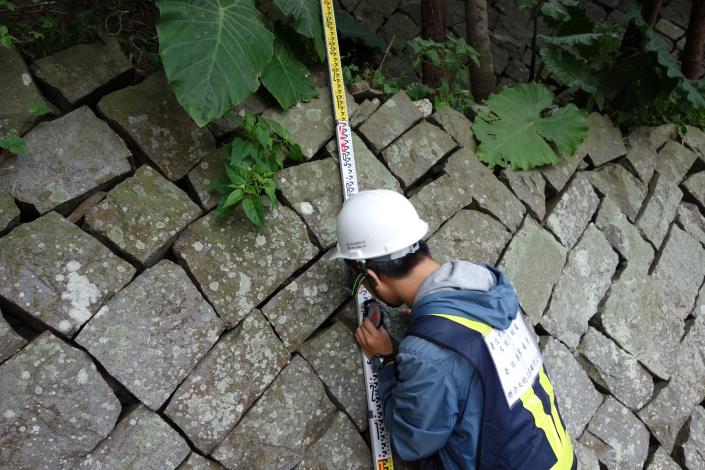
{"points": [[397, 268]]}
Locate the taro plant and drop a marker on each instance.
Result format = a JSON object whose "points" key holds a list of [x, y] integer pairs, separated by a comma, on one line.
{"points": [[255, 157]]}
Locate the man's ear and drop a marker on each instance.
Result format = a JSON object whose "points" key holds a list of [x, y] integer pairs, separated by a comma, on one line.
{"points": [[373, 277]]}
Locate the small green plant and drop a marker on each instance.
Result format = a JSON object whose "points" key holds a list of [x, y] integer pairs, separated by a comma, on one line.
{"points": [[255, 157], [453, 56]]}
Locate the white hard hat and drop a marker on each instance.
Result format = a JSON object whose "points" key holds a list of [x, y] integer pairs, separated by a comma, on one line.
{"points": [[377, 223]]}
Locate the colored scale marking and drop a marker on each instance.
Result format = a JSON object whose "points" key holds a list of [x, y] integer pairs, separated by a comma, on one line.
{"points": [[381, 448]]}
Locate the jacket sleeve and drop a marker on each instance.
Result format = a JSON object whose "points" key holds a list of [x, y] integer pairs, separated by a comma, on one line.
{"points": [[420, 404]]}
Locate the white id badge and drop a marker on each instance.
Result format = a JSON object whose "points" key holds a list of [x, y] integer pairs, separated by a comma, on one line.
{"points": [[516, 358]]}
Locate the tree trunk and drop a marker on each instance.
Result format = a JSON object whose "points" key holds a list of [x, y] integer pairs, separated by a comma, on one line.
{"points": [[433, 26], [482, 78], [633, 39], [695, 41]]}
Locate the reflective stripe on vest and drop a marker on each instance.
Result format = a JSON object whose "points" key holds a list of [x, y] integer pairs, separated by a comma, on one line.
{"points": [[552, 426]]}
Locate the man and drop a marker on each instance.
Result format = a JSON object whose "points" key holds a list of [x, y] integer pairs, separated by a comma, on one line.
{"points": [[467, 388]]}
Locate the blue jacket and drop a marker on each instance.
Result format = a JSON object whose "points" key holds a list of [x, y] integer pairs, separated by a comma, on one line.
{"points": [[433, 398]]}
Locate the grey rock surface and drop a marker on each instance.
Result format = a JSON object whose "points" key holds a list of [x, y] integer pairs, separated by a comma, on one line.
{"points": [[695, 139], [615, 370], [672, 404], [56, 273], [604, 142], [699, 309], [457, 125], [198, 462], [339, 448], [18, 94], [402, 29], [10, 341], [642, 152], [694, 446], [586, 457], [469, 235], [364, 111], [692, 221], [573, 212], [9, 213], [440, 200], [67, 159], [152, 117], [576, 396], [311, 124], [227, 381], [52, 397], [237, 265], [305, 303], [640, 317], [142, 439], [695, 184], [202, 175], [627, 191], [152, 333], [142, 215], [335, 356], [681, 270], [558, 174], [618, 438], [529, 187], [533, 263], [391, 120], [415, 152], [674, 162], [491, 195], [659, 211], [660, 460], [583, 283], [373, 13], [80, 70], [623, 236], [283, 423]]}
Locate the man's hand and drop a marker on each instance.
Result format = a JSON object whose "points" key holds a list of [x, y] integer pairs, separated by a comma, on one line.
{"points": [[373, 340]]}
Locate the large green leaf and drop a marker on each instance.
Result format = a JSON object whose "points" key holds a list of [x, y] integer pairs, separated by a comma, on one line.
{"points": [[570, 70], [307, 20], [350, 28], [213, 52], [286, 78], [513, 132]]}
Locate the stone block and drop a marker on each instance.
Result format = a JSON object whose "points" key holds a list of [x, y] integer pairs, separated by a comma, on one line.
{"points": [[642, 319], [457, 125], [623, 236], [618, 438], [642, 152], [401, 28], [10, 341], [157, 124], [560, 173], [533, 264], [415, 152], [529, 187], [142, 216], [198, 462], [210, 169], [311, 124], [152, 333], [340, 447], [659, 211], [485, 188], [364, 111], [660, 460], [699, 309], [80, 71], [19, 92], [576, 397], [693, 448], [373, 13], [674, 161], [9, 213], [584, 281], [585, 456], [681, 270], [53, 271], [227, 381], [469, 235], [604, 142], [624, 189], [391, 120], [335, 356], [237, 265], [695, 139], [67, 159], [695, 184], [573, 212], [284, 422], [673, 403], [439, 200], [692, 221], [55, 406], [141, 440], [305, 303], [672, 31], [615, 370]]}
